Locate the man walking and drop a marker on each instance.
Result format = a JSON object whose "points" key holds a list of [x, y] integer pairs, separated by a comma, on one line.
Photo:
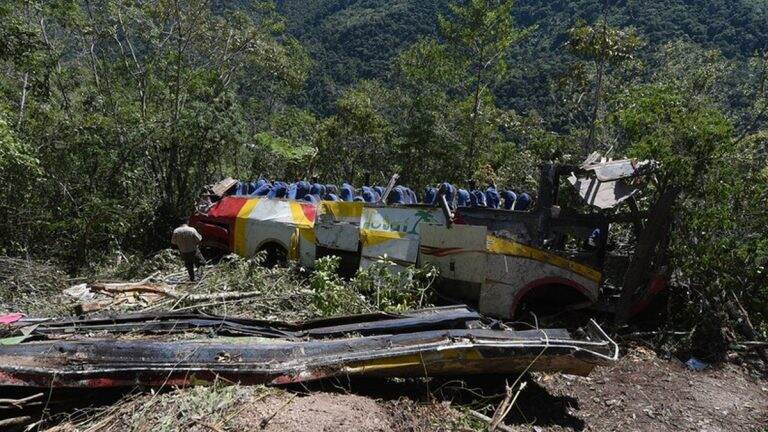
{"points": [[187, 240]]}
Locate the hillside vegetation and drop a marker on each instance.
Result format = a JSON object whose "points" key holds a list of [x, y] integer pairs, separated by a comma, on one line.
{"points": [[352, 40], [114, 114]]}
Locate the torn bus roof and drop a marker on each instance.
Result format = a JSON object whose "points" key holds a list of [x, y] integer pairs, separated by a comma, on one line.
{"points": [[440, 341], [611, 170], [607, 183]]}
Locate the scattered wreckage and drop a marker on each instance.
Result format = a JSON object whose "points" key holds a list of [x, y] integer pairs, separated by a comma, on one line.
{"points": [[179, 349], [546, 258], [500, 261]]}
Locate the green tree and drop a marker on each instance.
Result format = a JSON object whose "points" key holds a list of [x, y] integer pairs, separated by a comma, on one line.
{"points": [[605, 46], [132, 107], [687, 137], [20, 173], [429, 150], [359, 139], [479, 34]]}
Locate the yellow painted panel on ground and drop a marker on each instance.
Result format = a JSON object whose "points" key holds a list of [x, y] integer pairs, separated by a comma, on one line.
{"points": [[502, 246], [457, 355]]}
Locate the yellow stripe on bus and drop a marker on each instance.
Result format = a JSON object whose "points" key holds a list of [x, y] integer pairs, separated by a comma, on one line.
{"points": [[507, 247], [241, 221], [342, 209], [375, 237], [299, 218]]}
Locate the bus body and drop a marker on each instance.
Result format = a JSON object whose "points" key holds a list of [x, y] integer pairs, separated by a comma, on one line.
{"points": [[500, 260]]}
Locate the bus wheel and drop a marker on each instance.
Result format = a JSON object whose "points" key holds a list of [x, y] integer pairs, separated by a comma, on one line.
{"points": [[275, 255]]}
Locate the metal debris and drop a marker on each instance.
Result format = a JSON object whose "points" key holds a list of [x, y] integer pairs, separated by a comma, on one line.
{"points": [[168, 349]]}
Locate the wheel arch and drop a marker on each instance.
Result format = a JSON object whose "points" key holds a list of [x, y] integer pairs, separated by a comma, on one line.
{"points": [[549, 285]]}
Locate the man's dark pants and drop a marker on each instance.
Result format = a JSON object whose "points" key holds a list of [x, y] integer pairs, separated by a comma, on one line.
{"points": [[191, 260]]}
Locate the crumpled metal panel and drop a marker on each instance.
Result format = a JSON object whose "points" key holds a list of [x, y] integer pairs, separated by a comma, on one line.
{"points": [[603, 195], [607, 183], [449, 341]]}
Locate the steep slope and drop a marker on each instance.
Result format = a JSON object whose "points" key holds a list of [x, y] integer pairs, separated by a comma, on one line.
{"points": [[355, 39]]}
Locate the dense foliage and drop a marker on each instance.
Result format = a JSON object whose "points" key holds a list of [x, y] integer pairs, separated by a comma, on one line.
{"points": [[113, 114], [356, 39]]}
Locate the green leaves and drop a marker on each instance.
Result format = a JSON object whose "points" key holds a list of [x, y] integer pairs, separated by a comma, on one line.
{"points": [[359, 138], [131, 107], [686, 137], [602, 42], [375, 288]]}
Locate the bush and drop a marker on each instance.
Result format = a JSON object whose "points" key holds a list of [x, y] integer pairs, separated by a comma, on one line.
{"points": [[380, 287], [390, 290], [329, 295]]}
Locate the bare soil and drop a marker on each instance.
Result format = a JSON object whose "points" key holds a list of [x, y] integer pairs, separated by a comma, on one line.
{"points": [[645, 393], [642, 392], [325, 412]]}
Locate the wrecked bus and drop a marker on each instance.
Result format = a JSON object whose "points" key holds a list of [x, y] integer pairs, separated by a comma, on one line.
{"points": [[549, 259]]}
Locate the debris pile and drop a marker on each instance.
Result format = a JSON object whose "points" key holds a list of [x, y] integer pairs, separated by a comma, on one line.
{"points": [[166, 349], [235, 286]]}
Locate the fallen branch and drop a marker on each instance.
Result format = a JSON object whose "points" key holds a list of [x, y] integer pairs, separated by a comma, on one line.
{"points": [[235, 295], [163, 289], [230, 302], [208, 426], [505, 406], [741, 317], [266, 421], [754, 343], [143, 286], [487, 419], [15, 421], [19, 402]]}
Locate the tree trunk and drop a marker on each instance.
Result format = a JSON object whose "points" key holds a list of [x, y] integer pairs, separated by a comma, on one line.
{"points": [[637, 276], [743, 324], [23, 101], [471, 145], [589, 145]]}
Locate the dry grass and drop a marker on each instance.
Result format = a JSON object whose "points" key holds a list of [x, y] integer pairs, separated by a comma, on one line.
{"points": [[196, 409], [31, 287]]}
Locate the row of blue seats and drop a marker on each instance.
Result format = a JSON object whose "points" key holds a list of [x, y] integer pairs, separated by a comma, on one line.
{"points": [[314, 192], [490, 198]]}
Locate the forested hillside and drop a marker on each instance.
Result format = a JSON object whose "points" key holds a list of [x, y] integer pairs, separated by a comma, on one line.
{"points": [[114, 114], [351, 40]]}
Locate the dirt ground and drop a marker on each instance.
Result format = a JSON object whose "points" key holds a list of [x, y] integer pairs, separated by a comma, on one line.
{"points": [[645, 393], [640, 393], [316, 412]]}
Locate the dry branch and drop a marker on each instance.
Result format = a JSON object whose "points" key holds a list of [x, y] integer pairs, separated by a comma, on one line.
{"points": [[18, 403], [488, 420]]}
